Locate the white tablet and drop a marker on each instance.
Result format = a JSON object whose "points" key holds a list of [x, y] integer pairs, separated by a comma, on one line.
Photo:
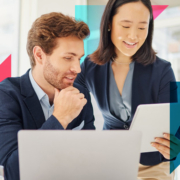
{"points": [[152, 120]]}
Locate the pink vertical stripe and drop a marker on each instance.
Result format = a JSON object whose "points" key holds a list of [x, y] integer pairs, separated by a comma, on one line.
{"points": [[5, 68]]}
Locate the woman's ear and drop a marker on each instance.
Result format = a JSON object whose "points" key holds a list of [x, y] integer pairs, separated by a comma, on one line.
{"points": [[38, 54], [109, 26]]}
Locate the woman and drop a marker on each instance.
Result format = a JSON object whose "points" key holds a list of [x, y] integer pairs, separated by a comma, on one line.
{"points": [[124, 72]]}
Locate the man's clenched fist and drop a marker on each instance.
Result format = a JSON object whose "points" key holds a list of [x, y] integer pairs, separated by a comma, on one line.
{"points": [[68, 103]]}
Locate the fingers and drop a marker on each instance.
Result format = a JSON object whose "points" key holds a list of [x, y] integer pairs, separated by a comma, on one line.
{"points": [[165, 151], [161, 148], [71, 88], [167, 136], [163, 141], [84, 101], [172, 138], [169, 146], [166, 155], [167, 143], [80, 95], [56, 92], [74, 90]]}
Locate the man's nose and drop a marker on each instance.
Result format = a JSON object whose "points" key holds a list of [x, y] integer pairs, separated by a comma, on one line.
{"points": [[76, 68]]}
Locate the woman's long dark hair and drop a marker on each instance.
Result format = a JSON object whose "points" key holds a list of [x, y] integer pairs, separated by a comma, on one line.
{"points": [[105, 51]]}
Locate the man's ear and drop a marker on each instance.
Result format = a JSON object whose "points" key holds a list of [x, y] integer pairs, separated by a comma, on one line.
{"points": [[38, 54]]}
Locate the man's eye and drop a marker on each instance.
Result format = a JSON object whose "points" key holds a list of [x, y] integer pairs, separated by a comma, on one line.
{"points": [[125, 27], [67, 57]]}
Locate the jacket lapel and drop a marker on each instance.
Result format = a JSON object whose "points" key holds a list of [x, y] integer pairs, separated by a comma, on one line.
{"points": [[140, 85], [31, 100], [134, 89]]}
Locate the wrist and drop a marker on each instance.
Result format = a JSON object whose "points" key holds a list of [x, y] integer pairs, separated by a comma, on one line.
{"points": [[64, 121]]}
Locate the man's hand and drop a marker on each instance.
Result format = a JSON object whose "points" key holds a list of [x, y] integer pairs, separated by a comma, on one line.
{"points": [[68, 103], [166, 145]]}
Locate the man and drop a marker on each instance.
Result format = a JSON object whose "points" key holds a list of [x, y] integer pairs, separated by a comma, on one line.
{"points": [[44, 98]]}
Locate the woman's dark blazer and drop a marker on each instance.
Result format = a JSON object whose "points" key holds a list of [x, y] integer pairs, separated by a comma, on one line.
{"points": [[151, 84]]}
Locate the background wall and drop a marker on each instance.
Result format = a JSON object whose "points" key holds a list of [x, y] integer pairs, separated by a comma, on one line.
{"points": [[32, 9], [9, 32], [23, 13]]}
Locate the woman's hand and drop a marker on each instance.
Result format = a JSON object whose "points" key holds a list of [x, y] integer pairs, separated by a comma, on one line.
{"points": [[169, 146]]}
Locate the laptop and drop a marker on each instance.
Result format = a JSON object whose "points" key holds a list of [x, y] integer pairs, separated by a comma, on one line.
{"points": [[78, 155]]}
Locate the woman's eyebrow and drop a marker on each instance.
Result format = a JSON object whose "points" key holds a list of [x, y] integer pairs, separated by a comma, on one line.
{"points": [[142, 22]]}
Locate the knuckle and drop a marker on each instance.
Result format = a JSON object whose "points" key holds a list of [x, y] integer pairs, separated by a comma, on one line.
{"points": [[70, 87], [162, 141], [74, 89], [68, 93]]}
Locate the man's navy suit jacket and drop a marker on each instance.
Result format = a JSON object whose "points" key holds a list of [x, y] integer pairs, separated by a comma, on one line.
{"points": [[20, 109], [150, 85]]}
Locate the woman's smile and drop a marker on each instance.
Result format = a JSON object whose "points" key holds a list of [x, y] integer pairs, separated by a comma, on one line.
{"points": [[130, 45]]}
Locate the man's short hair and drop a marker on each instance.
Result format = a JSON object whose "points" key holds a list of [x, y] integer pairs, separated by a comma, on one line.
{"points": [[47, 28]]}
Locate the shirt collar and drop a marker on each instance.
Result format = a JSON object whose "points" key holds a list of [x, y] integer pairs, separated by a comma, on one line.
{"points": [[40, 93]]}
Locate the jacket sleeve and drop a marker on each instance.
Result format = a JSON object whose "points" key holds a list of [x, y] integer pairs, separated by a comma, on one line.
{"points": [[88, 113], [168, 90], [10, 123], [81, 77], [168, 87]]}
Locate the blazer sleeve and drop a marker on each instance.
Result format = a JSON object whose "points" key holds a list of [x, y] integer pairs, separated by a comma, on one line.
{"points": [[10, 124], [168, 91], [88, 113], [81, 77], [168, 88]]}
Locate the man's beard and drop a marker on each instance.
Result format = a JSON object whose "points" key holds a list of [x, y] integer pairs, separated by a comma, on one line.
{"points": [[54, 77]]}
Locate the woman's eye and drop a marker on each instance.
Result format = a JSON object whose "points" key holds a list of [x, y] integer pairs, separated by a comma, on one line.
{"points": [[142, 28], [125, 27]]}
